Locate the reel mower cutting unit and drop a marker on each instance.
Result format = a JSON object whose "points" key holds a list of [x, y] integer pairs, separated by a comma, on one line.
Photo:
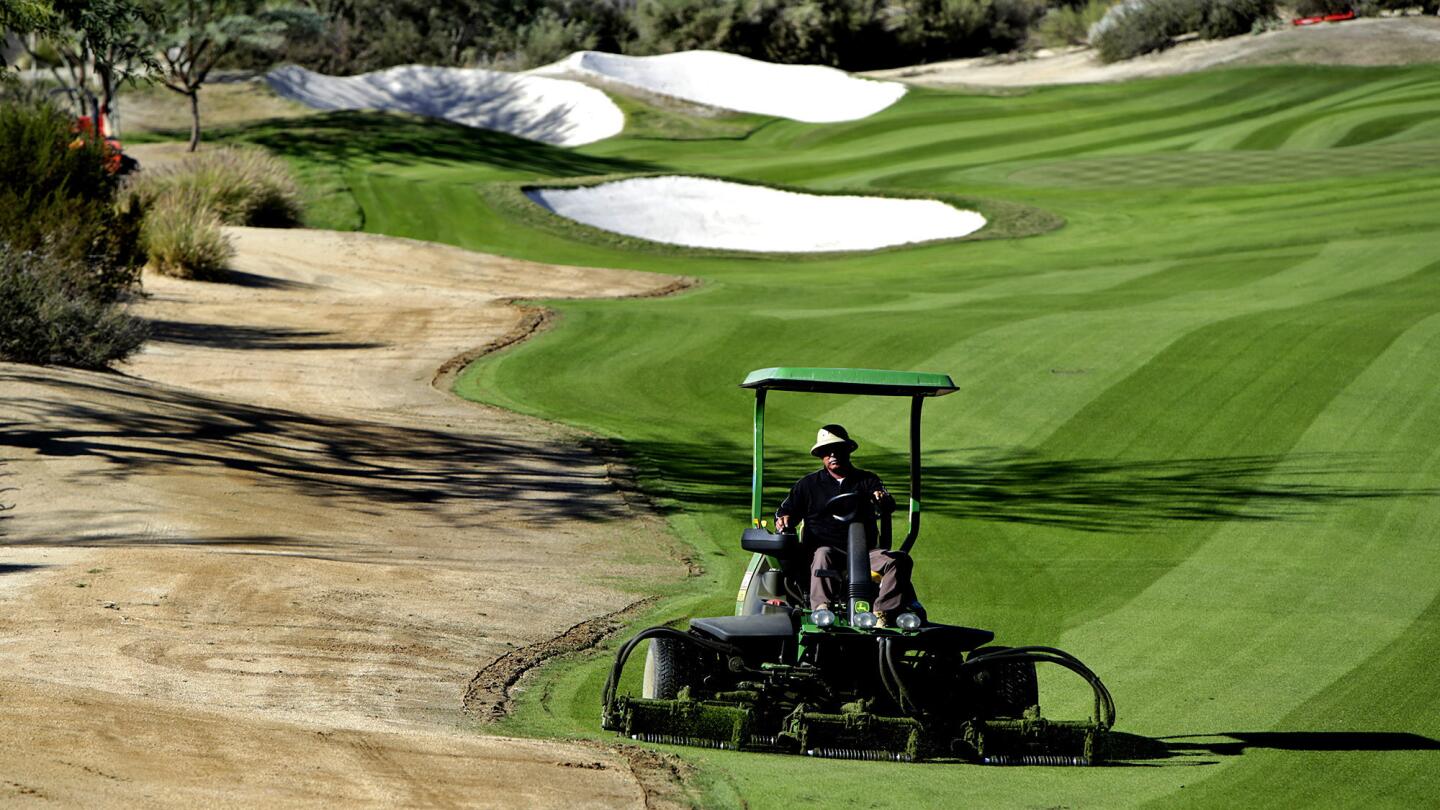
{"points": [[778, 676]]}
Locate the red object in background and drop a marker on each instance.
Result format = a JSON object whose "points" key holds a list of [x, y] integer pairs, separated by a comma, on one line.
{"points": [[84, 129], [1341, 17]]}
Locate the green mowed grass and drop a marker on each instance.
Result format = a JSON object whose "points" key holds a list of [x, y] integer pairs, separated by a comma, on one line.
{"points": [[1195, 442]]}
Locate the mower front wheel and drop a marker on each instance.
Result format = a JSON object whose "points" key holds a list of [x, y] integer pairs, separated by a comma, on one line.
{"points": [[666, 670]]}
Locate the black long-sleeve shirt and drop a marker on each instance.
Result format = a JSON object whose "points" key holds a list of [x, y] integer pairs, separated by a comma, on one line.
{"points": [[812, 492]]}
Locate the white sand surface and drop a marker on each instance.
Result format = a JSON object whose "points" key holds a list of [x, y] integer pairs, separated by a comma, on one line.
{"points": [[800, 92], [555, 111], [700, 212]]}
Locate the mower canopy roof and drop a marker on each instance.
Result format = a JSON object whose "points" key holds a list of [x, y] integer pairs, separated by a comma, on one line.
{"points": [[863, 381]]}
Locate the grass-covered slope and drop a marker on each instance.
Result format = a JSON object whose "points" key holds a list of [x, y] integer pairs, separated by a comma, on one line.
{"points": [[1195, 441]]}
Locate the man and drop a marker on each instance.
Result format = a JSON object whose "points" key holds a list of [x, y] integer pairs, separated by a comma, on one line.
{"points": [[826, 537]]}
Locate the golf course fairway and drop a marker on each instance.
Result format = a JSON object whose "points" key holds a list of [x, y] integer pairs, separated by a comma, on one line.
{"points": [[1195, 441]]}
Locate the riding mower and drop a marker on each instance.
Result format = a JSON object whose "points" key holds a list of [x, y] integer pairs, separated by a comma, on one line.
{"points": [[779, 676]]}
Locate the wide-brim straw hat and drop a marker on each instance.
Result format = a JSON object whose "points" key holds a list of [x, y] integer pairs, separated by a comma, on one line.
{"points": [[832, 435]]}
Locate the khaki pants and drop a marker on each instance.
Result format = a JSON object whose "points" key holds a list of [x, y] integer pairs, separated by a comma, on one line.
{"points": [[894, 568]]}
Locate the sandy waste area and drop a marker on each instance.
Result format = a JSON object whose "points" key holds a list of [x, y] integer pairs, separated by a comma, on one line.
{"points": [[263, 564], [1362, 42], [701, 212]]}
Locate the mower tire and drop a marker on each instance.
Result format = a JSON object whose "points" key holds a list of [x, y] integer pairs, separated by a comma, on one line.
{"points": [[666, 669]]}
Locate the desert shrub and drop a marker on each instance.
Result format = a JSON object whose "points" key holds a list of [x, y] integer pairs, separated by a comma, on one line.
{"points": [[59, 198], [550, 38], [1316, 8], [70, 248], [43, 320], [565, 26], [848, 34], [1231, 18], [241, 186], [184, 238], [666, 26], [1135, 27], [1069, 25]]}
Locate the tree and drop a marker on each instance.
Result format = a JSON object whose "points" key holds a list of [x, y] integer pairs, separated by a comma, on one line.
{"points": [[191, 37], [97, 43]]}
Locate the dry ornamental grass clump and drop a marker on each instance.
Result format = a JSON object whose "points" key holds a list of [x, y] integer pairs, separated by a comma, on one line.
{"points": [[183, 236], [189, 202]]}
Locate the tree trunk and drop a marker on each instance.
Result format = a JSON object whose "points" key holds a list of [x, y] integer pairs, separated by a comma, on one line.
{"points": [[194, 95]]}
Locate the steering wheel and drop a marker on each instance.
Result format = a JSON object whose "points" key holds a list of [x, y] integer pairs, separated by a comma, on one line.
{"points": [[848, 507]]}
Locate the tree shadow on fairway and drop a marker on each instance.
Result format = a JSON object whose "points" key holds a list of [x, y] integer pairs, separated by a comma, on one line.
{"points": [[1022, 486], [1018, 486], [376, 137], [1203, 749], [1103, 495]]}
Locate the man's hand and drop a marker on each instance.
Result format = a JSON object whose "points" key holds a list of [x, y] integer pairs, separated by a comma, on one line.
{"points": [[782, 524], [881, 495]]}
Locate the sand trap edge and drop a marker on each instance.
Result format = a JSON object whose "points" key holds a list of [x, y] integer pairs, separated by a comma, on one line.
{"points": [[1005, 219]]}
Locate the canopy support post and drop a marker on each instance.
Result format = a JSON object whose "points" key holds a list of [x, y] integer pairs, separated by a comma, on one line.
{"points": [[915, 404], [757, 478]]}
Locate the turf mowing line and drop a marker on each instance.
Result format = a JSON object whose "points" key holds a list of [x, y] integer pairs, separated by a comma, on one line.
{"points": [[1255, 624]]}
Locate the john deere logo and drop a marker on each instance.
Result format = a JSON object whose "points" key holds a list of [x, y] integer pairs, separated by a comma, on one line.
{"points": [[862, 607]]}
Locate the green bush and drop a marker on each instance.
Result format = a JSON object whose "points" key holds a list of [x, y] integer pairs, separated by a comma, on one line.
{"points": [[667, 26], [1070, 25], [59, 198], [42, 319], [241, 186], [1231, 18], [848, 34], [70, 248], [1317, 8], [549, 38], [183, 236]]}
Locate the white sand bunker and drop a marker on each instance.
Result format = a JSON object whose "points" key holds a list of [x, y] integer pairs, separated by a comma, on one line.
{"points": [[800, 92], [555, 111], [698, 212]]}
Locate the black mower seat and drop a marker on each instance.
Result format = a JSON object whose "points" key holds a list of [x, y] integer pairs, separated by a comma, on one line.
{"points": [[740, 629], [953, 636], [760, 638]]}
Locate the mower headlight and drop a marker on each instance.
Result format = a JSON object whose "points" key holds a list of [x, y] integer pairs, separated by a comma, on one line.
{"points": [[865, 621], [823, 618], [908, 621]]}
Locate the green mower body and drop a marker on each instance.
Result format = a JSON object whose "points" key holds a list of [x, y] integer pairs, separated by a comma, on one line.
{"points": [[778, 676]]}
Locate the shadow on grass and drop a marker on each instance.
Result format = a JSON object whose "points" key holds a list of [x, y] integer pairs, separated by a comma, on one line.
{"points": [[448, 480], [376, 137], [1198, 748], [248, 337], [1092, 495]]}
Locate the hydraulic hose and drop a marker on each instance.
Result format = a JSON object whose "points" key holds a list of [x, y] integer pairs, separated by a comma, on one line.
{"points": [[890, 671], [1104, 703], [613, 682]]}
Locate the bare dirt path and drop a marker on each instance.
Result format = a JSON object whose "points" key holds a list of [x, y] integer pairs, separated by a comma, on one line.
{"points": [[1364, 42], [263, 564]]}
